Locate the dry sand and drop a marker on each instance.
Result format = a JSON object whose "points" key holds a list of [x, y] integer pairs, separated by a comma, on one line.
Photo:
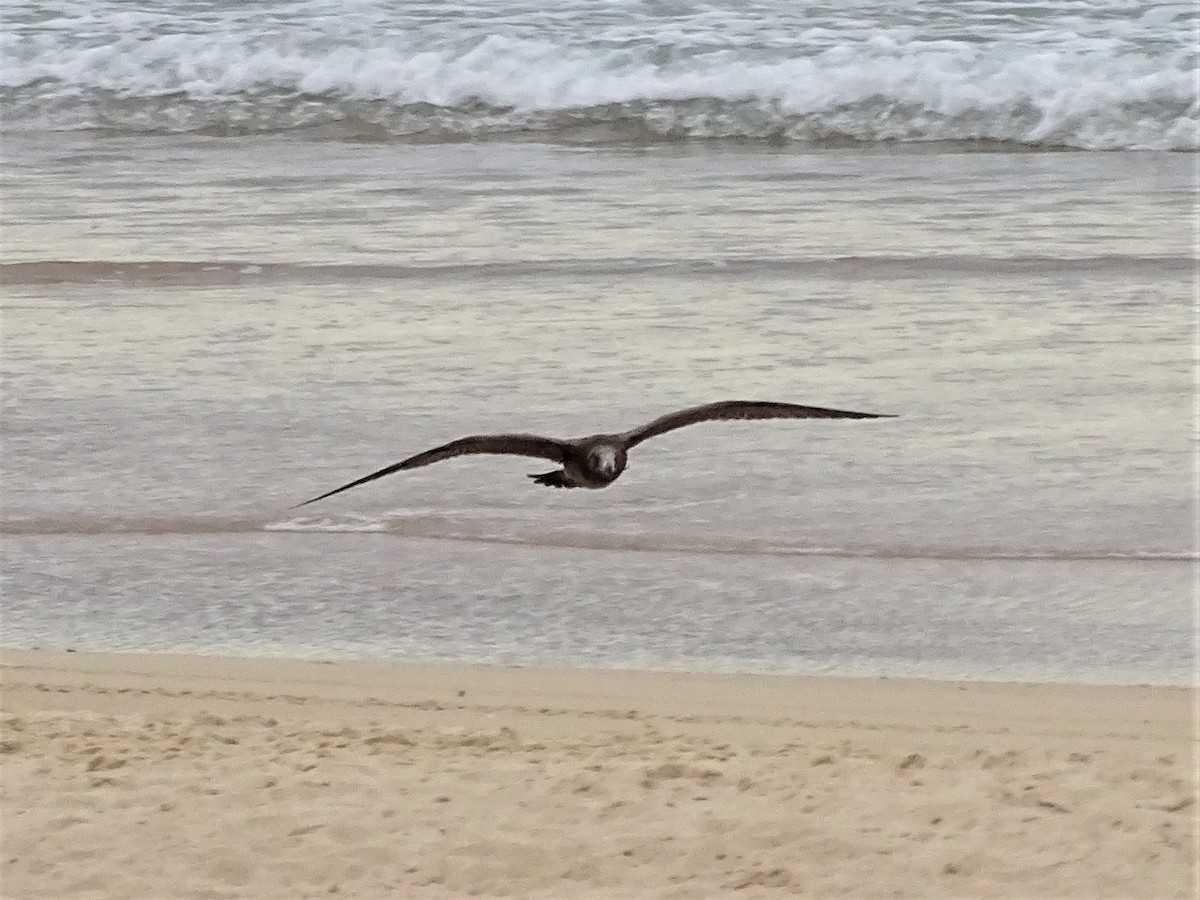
{"points": [[172, 776]]}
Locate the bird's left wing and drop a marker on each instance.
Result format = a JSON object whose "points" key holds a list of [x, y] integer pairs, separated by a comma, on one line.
{"points": [[513, 444], [738, 409]]}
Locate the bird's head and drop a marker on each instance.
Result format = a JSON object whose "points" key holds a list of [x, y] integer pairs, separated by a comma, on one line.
{"points": [[607, 460]]}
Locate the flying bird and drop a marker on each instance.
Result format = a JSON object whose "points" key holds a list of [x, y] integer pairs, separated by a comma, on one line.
{"points": [[596, 461]]}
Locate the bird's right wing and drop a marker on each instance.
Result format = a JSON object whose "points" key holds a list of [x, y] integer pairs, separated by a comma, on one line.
{"points": [[739, 409], [513, 444]]}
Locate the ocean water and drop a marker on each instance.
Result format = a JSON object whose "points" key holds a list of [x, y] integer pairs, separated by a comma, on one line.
{"points": [[251, 251], [1091, 74]]}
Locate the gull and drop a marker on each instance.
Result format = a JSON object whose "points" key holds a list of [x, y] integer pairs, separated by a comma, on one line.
{"points": [[596, 461]]}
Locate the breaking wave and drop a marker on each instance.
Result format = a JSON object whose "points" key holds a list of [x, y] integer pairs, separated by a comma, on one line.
{"points": [[1103, 76]]}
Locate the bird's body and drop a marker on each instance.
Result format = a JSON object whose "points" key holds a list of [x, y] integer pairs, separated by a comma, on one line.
{"points": [[591, 462], [596, 461]]}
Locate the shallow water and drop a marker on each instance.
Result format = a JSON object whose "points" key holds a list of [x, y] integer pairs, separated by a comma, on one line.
{"points": [[200, 332]]}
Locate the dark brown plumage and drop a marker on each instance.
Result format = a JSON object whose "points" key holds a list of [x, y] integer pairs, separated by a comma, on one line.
{"points": [[596, 461]]}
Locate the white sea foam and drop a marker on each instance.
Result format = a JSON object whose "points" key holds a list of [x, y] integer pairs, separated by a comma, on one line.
{"points": [[1086, 75]]}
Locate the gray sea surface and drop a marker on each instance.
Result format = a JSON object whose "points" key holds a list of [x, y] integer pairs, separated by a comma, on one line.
{"points": [[200, 331]]}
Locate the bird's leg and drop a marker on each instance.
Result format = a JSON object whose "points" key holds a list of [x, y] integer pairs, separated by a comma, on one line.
{"points": [[552, 479]]}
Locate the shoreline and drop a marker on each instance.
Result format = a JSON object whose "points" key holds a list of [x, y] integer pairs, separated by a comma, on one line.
{"points": [[594, 684], [295, 778], [1099, 678]]}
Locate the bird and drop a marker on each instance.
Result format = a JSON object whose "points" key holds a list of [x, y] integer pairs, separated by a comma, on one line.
{"points": [[596, 461]]}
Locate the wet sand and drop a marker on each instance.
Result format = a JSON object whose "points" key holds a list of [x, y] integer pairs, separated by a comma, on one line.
{"points": [[170, 776]]}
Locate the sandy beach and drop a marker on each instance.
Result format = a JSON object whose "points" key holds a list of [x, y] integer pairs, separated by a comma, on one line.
{"points": [[170, 776]]}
